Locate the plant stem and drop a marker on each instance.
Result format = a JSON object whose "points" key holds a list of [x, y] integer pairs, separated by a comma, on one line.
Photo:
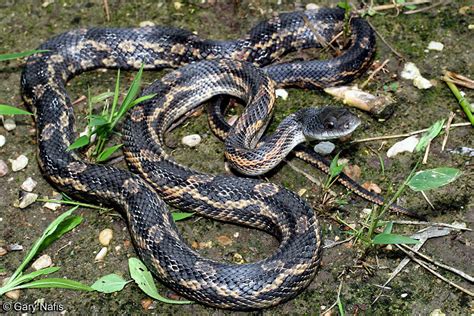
{"points": [[461, 100]]}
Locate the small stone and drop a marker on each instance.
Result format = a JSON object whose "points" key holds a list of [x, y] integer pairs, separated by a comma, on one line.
{"points": [[191, 140], [13, 295], [147, 303], [42, 262], [177, 5], [105, 236], [52, 205], [410, 71], [224, 240], [312, 6], [3, 168], [236, 235], [146, 24], [324, 148], [2, 140], [29, 184], [9, 124], [3, 251], [437, 312], [302, 191], [19, 163], [435, 46], [15, 247], [237, 258], [26, 200], [281, 93], [403, 295], [422, 83], [118, 248], [101, 255]]}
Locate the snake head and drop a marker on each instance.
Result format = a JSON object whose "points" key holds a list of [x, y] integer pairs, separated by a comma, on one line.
{"points": [[326, 123]]}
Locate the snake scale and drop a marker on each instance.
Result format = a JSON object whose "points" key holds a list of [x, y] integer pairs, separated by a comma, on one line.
{"points": [[213, 68]]}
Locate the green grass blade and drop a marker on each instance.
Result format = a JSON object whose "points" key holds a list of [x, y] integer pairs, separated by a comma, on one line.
{"points": [[79, 143], [4, 57], [179, 216], [101, 97], [11, 110], [30, 276], [116, 96], [106, 153], [144, 280], [56, 283], [131, 95], [387, 239], [139, 100]]}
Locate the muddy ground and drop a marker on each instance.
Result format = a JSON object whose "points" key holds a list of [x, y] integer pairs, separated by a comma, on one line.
{"points": [[25, 24]]}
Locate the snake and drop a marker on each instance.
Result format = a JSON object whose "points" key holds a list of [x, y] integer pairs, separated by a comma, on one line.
{"points": [[248, 69]]}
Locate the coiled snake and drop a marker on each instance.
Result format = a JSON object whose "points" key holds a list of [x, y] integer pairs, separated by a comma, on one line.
{"points": [[262, 205]]}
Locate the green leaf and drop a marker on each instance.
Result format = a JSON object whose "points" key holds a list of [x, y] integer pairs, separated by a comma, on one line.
{"points": [[388, 228], [55, 283], [11, 110], [65, 226], [101, 97], [433, 178], [387, 239], [335, 169], [30, 276], [80, 142], [431, 133], [344, 5], [411, 7], [106, 153], [131, 95], [4, 57], [98, 120], [144, 280], [179, 216], [109, 283]]}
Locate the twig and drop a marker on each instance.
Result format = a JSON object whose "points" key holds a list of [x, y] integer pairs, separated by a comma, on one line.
{"points": [[374, 73], [107, 10], [394, 6], [427, 200], [385, 42], [337, 299], [458, 79], [427, 8], [403, 222], [427, 151], [339, 243], [79, 100], [439, 264], [446, 130], [403, 135], [424, 265]]}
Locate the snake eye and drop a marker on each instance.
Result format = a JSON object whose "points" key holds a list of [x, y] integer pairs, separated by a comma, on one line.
{"points": [[330, 124]]}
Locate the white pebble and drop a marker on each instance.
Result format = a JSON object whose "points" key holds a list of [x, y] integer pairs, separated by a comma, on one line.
{"points": [[29, 184], [410, 71], [9, 124], [435, 46], [2, 140], [27, 199], [101, 255], [105, 236], [19, 163], [281, 93], [408, 144], [3, 168], [324, 148], [42, 262], [191, 140], [422, 83], [403, 295], [312, 6], [53, 206]]}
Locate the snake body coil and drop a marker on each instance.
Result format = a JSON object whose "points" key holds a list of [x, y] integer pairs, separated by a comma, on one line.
{"points": [[265, 206]]}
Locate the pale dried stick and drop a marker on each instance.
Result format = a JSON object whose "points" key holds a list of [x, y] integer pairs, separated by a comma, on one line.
{"points": [[446, 130], [374, 73]]}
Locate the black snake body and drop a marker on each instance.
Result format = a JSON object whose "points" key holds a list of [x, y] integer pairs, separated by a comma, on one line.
{"points": [[265, 206]]}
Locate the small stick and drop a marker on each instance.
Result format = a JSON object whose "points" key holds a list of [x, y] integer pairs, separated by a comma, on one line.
{"points": [[427, 200], [107, 11], [403, 135], [308, 176], [394, 6], [374, 73], [424, 265], [458, 79], [79, 100], [427, 151], [385, 42], [403, 222], [427, 8], [446, 130], [439, 264], [339, 243]]}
